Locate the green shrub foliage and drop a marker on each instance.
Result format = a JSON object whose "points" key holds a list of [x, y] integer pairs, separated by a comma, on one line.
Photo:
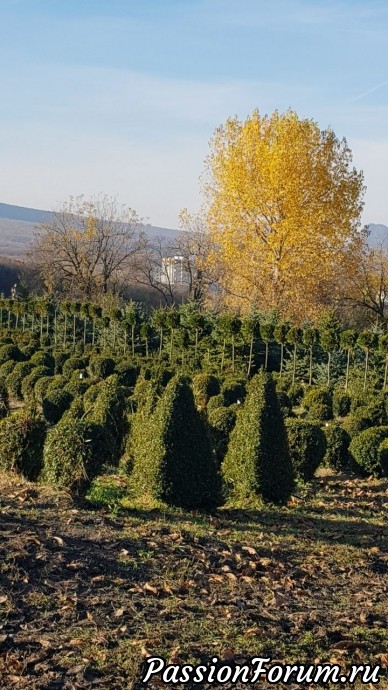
{"points": [[4, 402], [108, 415], [337, 447], [11, 352], [73, 363], [258, 462], [127, 373], [364, 449], [14, 380], [221, 422], [172, 455], [55, 404], [215, 402], [43, 359], [307, 444], [295, 392], [285, 404], [101, 367], [6, 368], [319, 404], [41, 387], [69, 458], [60, 359], [357, 421], [22, 436], [341, 403], [205, 386], [233, 390], [29, 381], [383, 456]]}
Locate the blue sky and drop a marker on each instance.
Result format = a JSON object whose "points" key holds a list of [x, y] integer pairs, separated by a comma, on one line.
{"points": [[122, 96]]}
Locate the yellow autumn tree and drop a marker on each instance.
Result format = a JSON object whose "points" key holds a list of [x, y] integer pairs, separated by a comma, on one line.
{"points": [[284, 205]]}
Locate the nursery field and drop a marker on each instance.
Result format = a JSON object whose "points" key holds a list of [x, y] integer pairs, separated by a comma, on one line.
{"points": [[89, 589]]}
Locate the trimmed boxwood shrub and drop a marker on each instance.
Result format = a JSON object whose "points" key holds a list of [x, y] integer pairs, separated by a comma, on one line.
{"points": [[383, 456], [11, 352], [233, 390], [56, 381], [76, 386], [307, 444], [172, 455], [337, 447], [295, 393], [60, 359], [377, 410], [205, 386], [356, 422], [364, 449], [22, 436], [6, 369], [258, 462], [127, 373], [100, 367], [29, 381], [341, 403], [285, 404], [215, 402], [221, 422], [319, 404], [41, 387], [108, 414], [72, 364], [15, 379], [69, 458], [55, 404], [43, 359], [4, 402]]}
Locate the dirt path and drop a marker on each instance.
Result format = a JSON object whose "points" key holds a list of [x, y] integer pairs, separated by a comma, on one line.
{"points": [[85, 597]]}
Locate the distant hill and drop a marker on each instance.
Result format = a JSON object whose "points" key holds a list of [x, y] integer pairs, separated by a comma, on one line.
{"points": [[378, 234], [17, 224]]}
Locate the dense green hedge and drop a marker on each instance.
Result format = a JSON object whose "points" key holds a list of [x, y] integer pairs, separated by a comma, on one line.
{"points": [[337, 447], [258, 462], [307, 444], [364, 449], [172, 456], [22, 436]]}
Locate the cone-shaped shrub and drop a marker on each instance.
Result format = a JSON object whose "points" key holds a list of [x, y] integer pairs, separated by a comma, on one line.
{"points": [[307, 445], [364, 449], [173, 460], [69, 459], [108, 414], [258, 462], [22, 436]]}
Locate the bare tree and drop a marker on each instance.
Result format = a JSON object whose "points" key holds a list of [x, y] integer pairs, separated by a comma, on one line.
{"points": [[85, 247], [149, 269]]}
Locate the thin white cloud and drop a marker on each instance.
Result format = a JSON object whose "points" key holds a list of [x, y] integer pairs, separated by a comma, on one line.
{"points": [[372, 90]]}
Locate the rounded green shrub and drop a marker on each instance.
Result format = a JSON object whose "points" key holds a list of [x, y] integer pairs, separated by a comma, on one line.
{"points": [[100, 367], [295, 393], [337, 447], [15, 379], [56, 381], [22, 436], [383, 456], [205, 386], [4, 401], [11, 352], [233, 390], [221, 422], [69, 458], [341, 403], [72, 364], [258, 462], [29, 381], [6, 369], [319, 404], [364, 449], [77, 387], [43, 359], [127, 373], [60, 358], [41, 387], [307, 444], [356, 422], [215, 402], [55, 404], [173, 459]]}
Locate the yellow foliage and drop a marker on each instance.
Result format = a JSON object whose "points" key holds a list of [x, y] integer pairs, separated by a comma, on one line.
{"points": [[283, 212]]}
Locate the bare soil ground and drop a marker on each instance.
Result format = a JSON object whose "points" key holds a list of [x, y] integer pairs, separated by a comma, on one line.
{"points": [[87, 594]]}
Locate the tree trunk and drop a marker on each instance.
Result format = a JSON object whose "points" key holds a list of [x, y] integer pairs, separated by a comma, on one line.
{"points": [[160, 343], [266, 357], [233, 349], [223, 355], [328, 368], [133, 340], [385, 373], [85, 330], [311, 366], [281, 359], [196, 343], [146, 344], [65, 331], [294, 366], [366, 368]]}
